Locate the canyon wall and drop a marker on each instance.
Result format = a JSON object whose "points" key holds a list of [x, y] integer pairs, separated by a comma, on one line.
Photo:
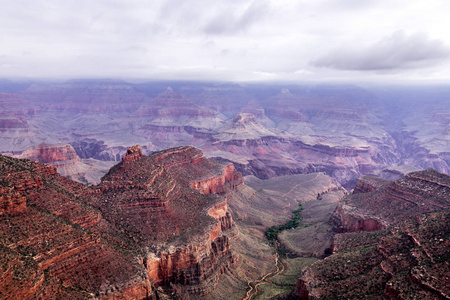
{"points": [[408, 261], [394, 238], [375, 204], [266, 131], [142, 231]]}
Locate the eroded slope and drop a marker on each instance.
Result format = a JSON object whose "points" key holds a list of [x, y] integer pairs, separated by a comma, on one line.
{"points": [[144, 226]]}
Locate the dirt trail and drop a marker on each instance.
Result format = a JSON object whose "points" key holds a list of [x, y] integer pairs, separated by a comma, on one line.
{"points": [[301, 183], [254, 289]]}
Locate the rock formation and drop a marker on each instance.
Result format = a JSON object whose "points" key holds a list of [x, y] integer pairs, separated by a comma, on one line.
{"points": [[57, 155], [344, 131], [66, 161], [143, 227], [376, 203], [407, 260]]}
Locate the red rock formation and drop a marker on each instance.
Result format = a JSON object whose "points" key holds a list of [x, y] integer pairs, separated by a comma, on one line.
{"points": [[408, 261], [133, 153], [382, 204], [196, 262], [368, 184], [45, 247], [84, 241], [157, 182], [11, 201], [220, 184], [66, 161], [59, 154]]}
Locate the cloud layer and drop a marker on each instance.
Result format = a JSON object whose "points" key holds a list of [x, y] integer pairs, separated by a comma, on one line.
{"points": [[236, 40], [396, 52]]}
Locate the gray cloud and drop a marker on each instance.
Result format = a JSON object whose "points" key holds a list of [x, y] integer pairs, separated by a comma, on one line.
{"points": [[231, 21], [224, 39], [398, 51]]}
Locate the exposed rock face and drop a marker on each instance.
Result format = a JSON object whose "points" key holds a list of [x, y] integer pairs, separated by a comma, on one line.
{"points": [[159, 204], [133, 154], [344, 131], [369, 183], [46, 249], [405, 261], [11, 201], [143, 226], [375, 204], [66, 161], [57, 155], [409, 261], [229, 179]]}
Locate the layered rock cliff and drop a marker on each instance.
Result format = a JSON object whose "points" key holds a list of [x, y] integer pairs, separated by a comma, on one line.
{"points": [[407, 260], [57, 155], [66, 161], [377, 203], [54, 245], [143, 227]]}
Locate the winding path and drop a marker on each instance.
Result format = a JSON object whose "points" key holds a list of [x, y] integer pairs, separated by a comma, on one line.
{"points": [[254, 289]]}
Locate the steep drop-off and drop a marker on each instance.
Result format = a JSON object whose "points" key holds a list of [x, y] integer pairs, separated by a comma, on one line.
{"points": [[395, 245], [409, 261], [377, 203], [66, 161], [143, 227]]}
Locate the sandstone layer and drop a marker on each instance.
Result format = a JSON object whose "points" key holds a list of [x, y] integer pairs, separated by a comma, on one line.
{"points": [[142, 233], [266, 131], [395, 244], [409, 261], [66, 161], [377, 203]]}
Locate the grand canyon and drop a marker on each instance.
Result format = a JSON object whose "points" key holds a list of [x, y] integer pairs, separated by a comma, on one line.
{"points": [[167, 190]]}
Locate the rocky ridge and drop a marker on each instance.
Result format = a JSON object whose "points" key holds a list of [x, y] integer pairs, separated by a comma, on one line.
{"points": [[376, 203], [343, 131], [408, 261], [66, 161], [394, 245], [143, 227]]}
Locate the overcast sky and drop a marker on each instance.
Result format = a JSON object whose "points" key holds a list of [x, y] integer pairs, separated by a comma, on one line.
{"points": [[227, 40]]}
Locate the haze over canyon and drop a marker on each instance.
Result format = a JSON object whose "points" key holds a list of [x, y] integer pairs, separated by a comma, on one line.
{"points": [[205, 190], [265, 130]]}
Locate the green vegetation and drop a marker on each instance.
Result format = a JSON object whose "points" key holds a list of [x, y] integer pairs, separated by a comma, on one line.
{"points": [[272, 232]]}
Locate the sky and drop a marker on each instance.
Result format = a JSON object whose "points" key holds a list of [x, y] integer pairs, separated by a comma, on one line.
{"points": [[227, 40]]}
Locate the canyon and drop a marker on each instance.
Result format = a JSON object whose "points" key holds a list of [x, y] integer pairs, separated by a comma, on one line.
{"points": [[264, 130], [102, 198], [156, 224]]}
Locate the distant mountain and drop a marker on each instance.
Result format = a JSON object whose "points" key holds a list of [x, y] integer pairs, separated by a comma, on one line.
{"points": [[343, 130]]}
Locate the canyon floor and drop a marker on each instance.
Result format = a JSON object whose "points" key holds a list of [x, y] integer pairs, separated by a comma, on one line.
{"points": [[260, 204]]}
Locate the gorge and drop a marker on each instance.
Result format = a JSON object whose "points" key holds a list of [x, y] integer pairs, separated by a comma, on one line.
{"points": [[84, 214]]}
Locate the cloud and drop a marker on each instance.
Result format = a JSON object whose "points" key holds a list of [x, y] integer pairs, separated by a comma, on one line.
{"points": [[398, 51], [236, 39], [231, 21]]}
